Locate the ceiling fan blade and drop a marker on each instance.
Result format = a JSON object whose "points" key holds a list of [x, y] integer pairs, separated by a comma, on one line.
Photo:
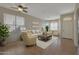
{"points": [[25, 8], [20, 6], [14, 7], [25, 11]]}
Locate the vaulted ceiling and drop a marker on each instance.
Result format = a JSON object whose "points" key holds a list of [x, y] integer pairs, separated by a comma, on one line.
{"points": [[45, 11]]}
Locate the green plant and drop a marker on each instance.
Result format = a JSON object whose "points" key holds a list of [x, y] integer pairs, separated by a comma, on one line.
{"points": [[4, 32], [47, 28]]}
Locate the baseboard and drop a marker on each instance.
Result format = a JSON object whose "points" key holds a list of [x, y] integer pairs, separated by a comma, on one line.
{"points": [[67, 38]]}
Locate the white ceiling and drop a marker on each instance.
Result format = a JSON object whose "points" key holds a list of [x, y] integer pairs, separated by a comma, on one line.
{"points": [[46, 11]]}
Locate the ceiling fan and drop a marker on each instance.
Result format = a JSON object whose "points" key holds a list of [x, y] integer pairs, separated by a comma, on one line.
{"points": [[20, 8]]}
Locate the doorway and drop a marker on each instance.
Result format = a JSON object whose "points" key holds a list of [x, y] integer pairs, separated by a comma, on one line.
{"points": [[67, 27]]}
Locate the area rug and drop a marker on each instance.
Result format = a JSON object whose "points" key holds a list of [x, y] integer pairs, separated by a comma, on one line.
{"points": [[43, 44]]}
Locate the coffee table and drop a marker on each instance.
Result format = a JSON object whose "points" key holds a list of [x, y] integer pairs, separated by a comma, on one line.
{"points": [[44, 45], [44, 38]]}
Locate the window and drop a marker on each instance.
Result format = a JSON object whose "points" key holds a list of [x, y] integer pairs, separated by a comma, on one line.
{"points": [[14, 22], [20, 23], [54, 26], [10, 21]]}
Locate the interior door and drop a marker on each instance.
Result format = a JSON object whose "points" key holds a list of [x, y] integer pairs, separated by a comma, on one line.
{"points": [[67, 28]]}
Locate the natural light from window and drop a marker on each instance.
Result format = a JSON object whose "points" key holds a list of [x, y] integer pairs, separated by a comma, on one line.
{"points": [[14, 22], [54, 26]]}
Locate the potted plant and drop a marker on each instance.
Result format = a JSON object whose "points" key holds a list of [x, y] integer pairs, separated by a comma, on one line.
{"points": [[47, 28], [4, 33]]}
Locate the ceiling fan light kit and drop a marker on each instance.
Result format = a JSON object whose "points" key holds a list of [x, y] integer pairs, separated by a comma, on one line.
{"points": [[20, 9]]}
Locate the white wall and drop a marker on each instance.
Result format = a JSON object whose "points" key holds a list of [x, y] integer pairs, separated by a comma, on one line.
{"points": [[76, 25]]}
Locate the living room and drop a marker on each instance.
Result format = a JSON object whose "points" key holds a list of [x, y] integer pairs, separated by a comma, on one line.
{"points": [[39, 29]]}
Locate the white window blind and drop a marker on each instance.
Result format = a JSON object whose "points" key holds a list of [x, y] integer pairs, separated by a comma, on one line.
{"points": [[10, 21], [20, 23], [14, 22], [54, 26], [20, 20]]}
